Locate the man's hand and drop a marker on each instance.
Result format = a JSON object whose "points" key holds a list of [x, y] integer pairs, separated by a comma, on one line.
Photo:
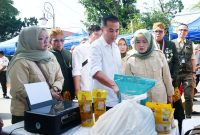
{"points": [[115, 89], [103, 79]]}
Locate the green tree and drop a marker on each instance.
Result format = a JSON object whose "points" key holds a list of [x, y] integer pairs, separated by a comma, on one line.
{"points": [[7, 9], [148, 19], [9, 24], [171, 7], [95, 9], [197, 6], [164, 12], [30, 21], [134, 24]]}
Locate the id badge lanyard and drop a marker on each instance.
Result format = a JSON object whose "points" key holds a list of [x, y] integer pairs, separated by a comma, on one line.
{"points": [[163, 46]]}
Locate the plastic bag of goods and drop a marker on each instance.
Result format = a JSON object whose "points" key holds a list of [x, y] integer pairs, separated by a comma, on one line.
{"points": [[126, 118], [132, 86], [164, 116], [99, 98], [85, 106]]}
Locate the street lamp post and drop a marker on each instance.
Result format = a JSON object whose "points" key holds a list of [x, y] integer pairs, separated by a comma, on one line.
{"points": [[49, 12]]}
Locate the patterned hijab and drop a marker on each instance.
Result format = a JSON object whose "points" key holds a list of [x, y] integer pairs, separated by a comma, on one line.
{"points": [[148, 36], [28, 47]]}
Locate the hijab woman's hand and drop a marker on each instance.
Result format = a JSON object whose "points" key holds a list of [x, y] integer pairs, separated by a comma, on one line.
{"points": [[56, 93], [169, 100]]}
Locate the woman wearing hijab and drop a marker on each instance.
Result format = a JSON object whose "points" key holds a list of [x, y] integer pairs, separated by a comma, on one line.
{"points": [[32, 48], [150, 63], [121, 42]]}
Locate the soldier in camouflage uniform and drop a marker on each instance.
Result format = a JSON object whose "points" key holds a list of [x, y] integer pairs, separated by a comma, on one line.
{"points": [[186, 73]]}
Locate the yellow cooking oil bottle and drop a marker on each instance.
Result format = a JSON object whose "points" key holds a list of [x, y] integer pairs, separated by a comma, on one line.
{"points": [[99, 99], [85, 106]]}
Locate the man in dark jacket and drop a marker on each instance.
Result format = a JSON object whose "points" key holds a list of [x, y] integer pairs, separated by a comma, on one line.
{"points": [[64, 58]]}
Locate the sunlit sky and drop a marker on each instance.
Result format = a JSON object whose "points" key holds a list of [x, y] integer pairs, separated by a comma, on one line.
{"points": [[70, 13]]}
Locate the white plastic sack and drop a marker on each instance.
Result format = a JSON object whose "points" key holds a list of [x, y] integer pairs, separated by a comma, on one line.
{"points": [[126, 118]]}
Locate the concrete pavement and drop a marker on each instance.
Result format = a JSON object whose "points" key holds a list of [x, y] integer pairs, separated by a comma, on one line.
{"points": [[196, 105]]}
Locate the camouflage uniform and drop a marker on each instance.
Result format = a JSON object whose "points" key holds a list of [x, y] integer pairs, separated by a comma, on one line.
{"points": [[185, 73]]}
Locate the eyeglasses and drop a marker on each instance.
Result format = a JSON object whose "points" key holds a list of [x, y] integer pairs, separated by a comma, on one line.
{"points": [[185, 30], [158, 31], [58, 40]]}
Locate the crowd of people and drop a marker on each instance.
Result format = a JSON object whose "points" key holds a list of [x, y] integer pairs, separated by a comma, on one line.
{"points": [[40, 56]]}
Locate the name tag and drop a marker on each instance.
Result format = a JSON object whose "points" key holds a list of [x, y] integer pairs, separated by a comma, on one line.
{"points": [[183, 61]]}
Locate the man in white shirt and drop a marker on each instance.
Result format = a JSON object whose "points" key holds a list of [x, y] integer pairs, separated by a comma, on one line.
{"points": [[80, 61], [3, 68], [106, 60]]}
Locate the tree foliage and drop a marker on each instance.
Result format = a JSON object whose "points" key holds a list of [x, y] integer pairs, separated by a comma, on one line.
{"points": [[30, 21], [128, 15], [134, 25], [95, 9], [148, 19], [7, 9], [9, 24], [164, 13], [171, 7], [197, 6]]}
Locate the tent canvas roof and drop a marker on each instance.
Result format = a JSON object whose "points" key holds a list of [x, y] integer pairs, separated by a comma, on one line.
{"points": [[194, 31], [9, 43], [195, 25]]}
